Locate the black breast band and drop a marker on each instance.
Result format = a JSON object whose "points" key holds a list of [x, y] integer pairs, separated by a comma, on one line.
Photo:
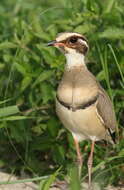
{"points": [[82, 106]]}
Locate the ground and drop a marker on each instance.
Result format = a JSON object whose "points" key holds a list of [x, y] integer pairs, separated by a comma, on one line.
{"points": [[33, 186]]}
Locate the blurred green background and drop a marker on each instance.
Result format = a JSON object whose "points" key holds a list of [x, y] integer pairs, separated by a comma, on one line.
{"points": [[32, 139]]}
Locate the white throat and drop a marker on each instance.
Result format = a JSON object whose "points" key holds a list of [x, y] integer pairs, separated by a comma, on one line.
{"points": [[74, 59]]}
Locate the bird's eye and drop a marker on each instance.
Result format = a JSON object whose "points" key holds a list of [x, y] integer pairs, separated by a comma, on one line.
{"points": [[73, 40]]}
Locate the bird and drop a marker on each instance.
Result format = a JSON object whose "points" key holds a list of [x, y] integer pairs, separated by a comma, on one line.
{"points": [[82, 105]]}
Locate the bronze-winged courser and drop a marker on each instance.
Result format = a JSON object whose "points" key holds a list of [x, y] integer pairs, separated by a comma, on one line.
{"points": [[82, 104]]}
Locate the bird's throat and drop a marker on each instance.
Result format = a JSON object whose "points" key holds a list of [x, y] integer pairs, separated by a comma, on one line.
{"points": [[74, 59]]}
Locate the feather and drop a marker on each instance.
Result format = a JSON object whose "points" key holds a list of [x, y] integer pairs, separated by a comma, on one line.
{"points": [[105, 109]]}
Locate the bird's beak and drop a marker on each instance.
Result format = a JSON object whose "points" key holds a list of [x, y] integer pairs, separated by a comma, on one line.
{"points": [[52, 43], [55, 43]]}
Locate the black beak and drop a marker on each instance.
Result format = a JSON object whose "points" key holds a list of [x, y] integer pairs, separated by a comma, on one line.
{"points": [[51, 43]]}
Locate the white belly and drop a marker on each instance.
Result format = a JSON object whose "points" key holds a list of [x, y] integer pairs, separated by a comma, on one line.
{"points": [[83, 123]]}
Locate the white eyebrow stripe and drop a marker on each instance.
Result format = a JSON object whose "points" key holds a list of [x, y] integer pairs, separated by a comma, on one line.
{"points": [[83, 41], [63, 36]]}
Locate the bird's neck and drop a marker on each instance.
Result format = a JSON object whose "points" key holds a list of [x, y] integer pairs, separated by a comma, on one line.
{"points": [[73, 60]]}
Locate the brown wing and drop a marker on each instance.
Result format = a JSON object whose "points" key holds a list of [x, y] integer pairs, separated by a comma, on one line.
{"points": [[105, 110]]}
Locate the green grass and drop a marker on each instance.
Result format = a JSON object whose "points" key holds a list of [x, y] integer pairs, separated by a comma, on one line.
{"points": [[33, 140]]}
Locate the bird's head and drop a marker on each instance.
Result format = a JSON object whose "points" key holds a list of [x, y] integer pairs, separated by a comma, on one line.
{"points": [[70, 43]]}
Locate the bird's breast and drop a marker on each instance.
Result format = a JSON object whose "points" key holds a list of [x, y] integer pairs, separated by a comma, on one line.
{"points": [[75, 95], [77, 87]]}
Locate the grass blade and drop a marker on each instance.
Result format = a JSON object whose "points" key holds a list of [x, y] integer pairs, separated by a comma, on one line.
{"points": [[48, 183], [23, 180], [10, 110], [117, 63], [74, 179]]}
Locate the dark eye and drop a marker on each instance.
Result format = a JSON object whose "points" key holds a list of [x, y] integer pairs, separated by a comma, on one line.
{"points": [[73, 40]]}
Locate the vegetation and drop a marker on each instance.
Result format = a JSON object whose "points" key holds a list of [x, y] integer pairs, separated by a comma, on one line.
{"points": [[32, 139]]}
